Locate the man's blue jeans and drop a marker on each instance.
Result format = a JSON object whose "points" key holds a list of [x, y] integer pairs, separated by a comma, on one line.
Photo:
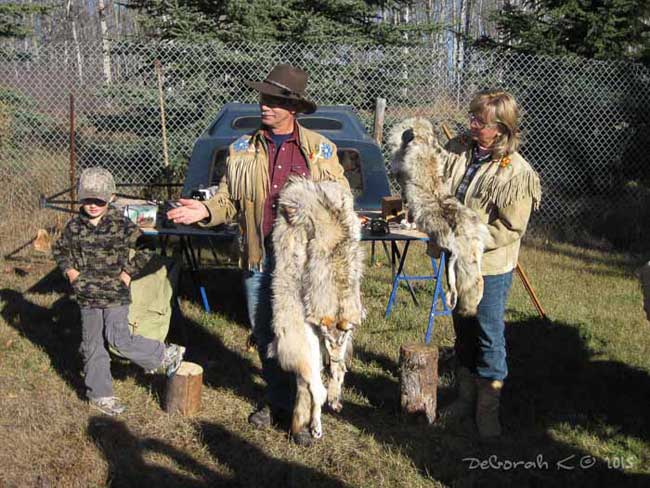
{"points": [[480, 341], [280, 385]]}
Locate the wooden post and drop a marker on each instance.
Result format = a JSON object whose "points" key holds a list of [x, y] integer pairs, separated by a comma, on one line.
{"points": [[184, 390], [380, 111], [531, 292], [73, 188], [163, 125], [447, 132], [418, 365]]}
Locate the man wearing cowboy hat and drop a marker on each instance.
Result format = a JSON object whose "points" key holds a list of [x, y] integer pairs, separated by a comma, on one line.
{"points": [[257, 168]]}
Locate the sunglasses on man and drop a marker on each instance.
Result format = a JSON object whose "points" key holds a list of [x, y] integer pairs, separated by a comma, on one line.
{"points": [[271, 101]]}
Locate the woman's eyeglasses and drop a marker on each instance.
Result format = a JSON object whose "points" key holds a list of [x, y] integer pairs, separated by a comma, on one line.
{"points": [[478, 123]]}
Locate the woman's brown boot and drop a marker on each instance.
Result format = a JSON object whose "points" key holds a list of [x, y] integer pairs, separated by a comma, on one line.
{"points": [[465, 402], [487, 407]]}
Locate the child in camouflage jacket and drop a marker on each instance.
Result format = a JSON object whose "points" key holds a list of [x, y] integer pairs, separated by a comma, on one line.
{"points": [[96, 254]]}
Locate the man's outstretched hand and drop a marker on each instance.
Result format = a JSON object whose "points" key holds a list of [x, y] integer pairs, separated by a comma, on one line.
{"points": [[188, 212]]}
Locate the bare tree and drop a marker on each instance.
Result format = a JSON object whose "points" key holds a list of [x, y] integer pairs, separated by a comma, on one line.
{"points": [[75, 38], [106, 44]]}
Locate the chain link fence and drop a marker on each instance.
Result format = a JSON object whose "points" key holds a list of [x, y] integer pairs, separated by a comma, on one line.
{"points": [[585, 124]]}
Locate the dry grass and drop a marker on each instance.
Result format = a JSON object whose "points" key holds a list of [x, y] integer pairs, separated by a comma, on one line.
{"points": [[24, 180], [578, 387]]}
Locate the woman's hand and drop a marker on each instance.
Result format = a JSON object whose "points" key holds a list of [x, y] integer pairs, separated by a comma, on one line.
{"points": [[189, 212], [126, 278]]}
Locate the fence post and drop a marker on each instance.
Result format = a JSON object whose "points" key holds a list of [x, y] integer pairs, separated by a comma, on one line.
{"points": [[380, 110], [163, 124], [73, 193]]}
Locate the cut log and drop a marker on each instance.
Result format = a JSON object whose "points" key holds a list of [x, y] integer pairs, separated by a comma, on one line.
{"points": [[419, 380], [184, 390]]}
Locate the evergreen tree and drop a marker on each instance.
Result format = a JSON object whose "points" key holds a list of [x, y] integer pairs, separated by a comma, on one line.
{"points": [[12, 18], [599, 29], [299, 21]]}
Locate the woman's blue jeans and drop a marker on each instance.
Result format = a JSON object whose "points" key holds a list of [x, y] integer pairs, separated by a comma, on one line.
{"points": [[280, 385], [480, 341]]}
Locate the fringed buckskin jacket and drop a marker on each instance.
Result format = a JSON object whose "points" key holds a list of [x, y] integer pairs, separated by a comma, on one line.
{"points": [[503, 192], [245, 185]]}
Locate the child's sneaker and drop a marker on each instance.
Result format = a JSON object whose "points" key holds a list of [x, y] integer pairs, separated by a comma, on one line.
{"points": [[173, 358], [108, 405]]}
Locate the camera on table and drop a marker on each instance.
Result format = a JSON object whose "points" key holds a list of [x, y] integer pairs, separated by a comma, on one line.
{"points": [[378, 227], [201, 194]]}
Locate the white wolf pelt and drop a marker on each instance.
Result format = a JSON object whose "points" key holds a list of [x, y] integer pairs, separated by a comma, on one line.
{"points": [[450, 224], [316, 292]]}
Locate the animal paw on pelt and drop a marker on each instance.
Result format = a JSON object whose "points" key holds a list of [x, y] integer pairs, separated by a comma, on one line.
{"points": [[452, 299], [335, 405], [415, 130], [418, 130]]}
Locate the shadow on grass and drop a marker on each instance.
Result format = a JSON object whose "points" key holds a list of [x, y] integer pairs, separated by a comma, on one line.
{"points": [[253, 467], [556, 384], [224, 290], [127, 466], [55, 329], [223, 367], [619, 266]]}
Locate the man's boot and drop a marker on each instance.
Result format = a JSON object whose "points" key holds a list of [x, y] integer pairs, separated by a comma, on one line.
{"points": [[261, 418], [465, 403], [487, 407]]}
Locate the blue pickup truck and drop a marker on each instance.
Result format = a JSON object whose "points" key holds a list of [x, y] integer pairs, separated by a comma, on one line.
{"points": [[358, 153]]}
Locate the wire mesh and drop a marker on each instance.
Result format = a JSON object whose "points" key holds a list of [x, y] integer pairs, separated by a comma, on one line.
{"points": [[585, 124]]}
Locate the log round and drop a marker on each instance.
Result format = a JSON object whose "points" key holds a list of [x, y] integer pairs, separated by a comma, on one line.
{"points": [[419, 380], [184, 390]]}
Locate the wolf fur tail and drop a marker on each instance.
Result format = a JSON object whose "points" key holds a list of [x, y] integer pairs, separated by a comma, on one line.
{"points": [[450, 224], [316, 289]]}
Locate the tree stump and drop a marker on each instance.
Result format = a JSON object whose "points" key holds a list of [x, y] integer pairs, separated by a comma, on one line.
{"points": [[184, 390], [419, 379]]}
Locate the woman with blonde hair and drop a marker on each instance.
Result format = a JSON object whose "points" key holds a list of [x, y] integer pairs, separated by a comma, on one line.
{"points": [[487, 174]]}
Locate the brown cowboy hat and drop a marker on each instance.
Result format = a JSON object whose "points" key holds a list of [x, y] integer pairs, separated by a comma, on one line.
{"points": [[285, 81]]}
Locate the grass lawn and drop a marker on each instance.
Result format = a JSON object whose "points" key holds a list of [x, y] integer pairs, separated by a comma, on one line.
{"points": [[575, 409]]}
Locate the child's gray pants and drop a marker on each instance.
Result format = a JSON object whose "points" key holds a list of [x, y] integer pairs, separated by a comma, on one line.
{"points": [[113, 325]]}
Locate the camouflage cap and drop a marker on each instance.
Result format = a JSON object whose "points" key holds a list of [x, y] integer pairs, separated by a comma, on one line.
{"points": [[96, 183]]}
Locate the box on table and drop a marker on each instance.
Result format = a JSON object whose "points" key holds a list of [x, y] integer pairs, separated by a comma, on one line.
{"points": [[391, 206], [143, 215]]}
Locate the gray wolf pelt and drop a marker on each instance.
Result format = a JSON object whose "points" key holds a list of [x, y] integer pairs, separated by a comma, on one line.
{"points": [[455, 228], [316, 292]]}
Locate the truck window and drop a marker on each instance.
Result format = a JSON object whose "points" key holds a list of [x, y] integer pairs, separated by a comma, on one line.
{"points": [[320, 123], [247, 123], [252, 122], [218, 166], [351, 162]]}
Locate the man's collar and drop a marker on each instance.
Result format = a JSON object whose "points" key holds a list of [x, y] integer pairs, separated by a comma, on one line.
{"points": [[293, 136]]}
